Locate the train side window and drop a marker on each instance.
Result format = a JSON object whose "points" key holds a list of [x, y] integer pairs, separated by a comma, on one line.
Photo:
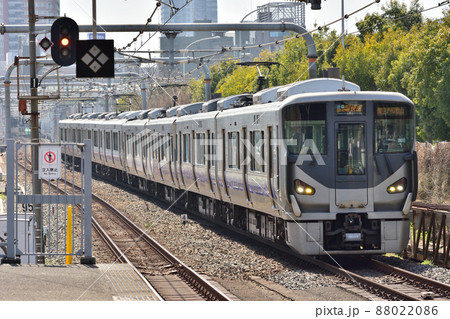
{"points": [[136, 145], [257, 151], [212, 155], [154, 144], [200, 149], [233, 150], [101, 139], [186, 148], [163, 146], [108, 140], [78, 136], [171, 154], [139, 145], [128, 138], [115, 141], [144, 146], [89, 135], [96, 138]]}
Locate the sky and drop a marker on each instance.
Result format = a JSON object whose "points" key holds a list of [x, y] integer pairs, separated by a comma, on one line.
{"points": [[229, 11]]}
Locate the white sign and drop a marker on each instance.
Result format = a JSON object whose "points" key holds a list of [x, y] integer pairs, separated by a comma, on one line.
{"points": [[100, 36], [49, 162]]}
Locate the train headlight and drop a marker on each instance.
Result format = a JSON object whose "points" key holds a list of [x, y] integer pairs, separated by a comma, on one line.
{"points": [[303, 188], [398, 187]]}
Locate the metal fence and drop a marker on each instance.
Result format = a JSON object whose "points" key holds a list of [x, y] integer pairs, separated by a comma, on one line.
{"points": [[430, 238], [38, 226]]}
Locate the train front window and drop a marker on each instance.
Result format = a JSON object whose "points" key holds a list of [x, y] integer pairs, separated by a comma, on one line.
{"points": [[305, 129], [351, 149], [394, 127]]}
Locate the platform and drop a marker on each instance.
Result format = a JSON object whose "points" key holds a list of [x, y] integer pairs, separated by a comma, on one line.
{"points": [[72, 283]]}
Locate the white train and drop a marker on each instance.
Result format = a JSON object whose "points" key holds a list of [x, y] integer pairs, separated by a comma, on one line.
{"points": [[323, 169]]}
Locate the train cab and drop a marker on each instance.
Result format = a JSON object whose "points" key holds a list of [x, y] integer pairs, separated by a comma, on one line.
{"points": [[350, 165]]}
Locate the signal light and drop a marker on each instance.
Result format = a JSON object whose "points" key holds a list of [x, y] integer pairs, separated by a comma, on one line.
{"points": [[65, 33], [65, 42]]}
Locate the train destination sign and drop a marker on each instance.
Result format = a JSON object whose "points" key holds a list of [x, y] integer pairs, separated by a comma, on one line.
{"points": [[350, 108], [391, 111], [49, 162]]}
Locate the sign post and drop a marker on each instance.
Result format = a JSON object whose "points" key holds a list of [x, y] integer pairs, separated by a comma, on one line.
{"points": [[95, 59], [50, 162]]}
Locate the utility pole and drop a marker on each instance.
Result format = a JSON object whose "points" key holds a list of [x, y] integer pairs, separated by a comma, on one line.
{"points": [[34, 127], [343, 24], [94, 19]]}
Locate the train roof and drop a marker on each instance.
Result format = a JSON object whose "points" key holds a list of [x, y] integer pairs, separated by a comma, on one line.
{"points": [[315, 85], [267, 95], [233, 101], [192, 108], [347, 96]]}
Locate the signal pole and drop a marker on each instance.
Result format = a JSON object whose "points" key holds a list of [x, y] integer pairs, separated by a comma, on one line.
{"points": [[94, 19], [34, 127], [343, 24]]}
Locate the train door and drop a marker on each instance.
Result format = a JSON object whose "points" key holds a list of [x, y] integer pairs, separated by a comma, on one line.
{"points": [[351, 165]]}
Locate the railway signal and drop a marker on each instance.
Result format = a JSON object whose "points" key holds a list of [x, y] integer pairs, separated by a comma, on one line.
{"points": [[65, 34]]}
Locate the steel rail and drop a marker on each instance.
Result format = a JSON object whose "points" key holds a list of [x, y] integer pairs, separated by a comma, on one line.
{"points": [[204, 287], [359, 281], [429, 283], [121, 256]]}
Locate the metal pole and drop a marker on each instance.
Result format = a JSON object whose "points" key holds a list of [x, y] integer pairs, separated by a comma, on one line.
{"points": [[7, 109], [343, 24], [94, 19], [144, 96], [10, 162], [107, 90], [171, 37], [34, 126], [88, 258], [207, 82]]}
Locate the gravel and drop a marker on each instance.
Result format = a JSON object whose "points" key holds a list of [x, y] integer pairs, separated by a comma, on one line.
{"points": [[221, 254], [433, 272]]}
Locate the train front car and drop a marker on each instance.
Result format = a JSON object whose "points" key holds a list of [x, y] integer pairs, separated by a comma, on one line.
{"points": [[351, 171]]}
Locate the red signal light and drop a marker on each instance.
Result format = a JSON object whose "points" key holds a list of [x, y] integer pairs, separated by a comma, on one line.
{"points": [[65, 42]]}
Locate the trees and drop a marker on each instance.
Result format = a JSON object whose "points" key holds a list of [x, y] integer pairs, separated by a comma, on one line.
{"points": [[395, 16], [396, 51]]}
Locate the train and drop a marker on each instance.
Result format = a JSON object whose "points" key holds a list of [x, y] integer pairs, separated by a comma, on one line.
{"points": [[317, 165]]}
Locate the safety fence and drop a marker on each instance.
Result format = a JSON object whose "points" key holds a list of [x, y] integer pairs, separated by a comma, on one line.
{"points": [[47, 221]]}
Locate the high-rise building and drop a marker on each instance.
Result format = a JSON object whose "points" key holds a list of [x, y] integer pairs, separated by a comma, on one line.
{"points": [[198, 10], [16, 12]]}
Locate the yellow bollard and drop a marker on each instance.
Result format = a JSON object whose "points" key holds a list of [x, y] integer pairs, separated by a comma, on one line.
{"points": [[69, 236]]}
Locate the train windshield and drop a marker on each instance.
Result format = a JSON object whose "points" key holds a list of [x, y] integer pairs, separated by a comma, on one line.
{"points": [[394, 127], [305, 129]]}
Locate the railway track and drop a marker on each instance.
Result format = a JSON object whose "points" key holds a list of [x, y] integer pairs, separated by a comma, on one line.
{"points": [[157, 267], [173, 280], [383, 280]]}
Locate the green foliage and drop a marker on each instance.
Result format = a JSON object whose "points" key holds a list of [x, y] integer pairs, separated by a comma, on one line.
{"points": [[395, 16], [396, 51]]}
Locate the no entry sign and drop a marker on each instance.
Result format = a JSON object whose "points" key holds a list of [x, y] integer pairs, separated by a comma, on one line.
{"points": [[49, 162]]}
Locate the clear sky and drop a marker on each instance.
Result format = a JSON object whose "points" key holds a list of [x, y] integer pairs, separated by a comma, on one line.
{"points": [[137, 12]]}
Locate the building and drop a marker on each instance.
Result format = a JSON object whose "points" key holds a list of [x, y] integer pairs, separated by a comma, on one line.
{"points": [[292, 12], [16, 12], [206, 11], [198, 11]]}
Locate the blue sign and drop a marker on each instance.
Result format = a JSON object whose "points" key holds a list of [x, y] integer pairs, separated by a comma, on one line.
{"points": [[100, 36]]}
